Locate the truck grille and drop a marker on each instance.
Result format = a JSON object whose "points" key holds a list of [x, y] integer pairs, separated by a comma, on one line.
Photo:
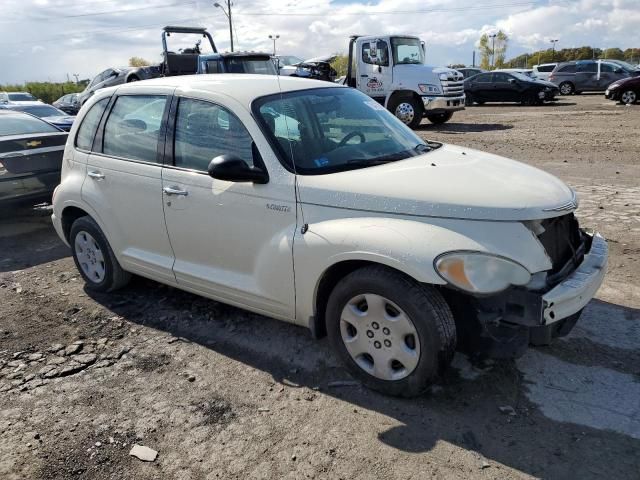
{"points": [[453, 86], [562, 241]]}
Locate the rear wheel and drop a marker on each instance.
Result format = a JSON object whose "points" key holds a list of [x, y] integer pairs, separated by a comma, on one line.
{"points": [[394, 334], [629, 97], [94, 258], [438, 118], [408, 110], [566, 88]]}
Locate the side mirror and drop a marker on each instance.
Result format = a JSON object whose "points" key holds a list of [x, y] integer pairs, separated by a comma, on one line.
{"points": [[233, 169], [512, 80]]}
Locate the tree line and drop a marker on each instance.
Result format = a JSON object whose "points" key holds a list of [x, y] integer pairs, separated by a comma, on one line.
{"points": [[48, 92]]}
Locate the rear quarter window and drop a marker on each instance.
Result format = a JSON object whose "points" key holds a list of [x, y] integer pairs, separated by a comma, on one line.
{"points": [[567, 69], [90, 122]]}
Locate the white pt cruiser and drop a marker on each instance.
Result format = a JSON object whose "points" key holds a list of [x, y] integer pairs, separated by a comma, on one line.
{"points": [[309, 202]]}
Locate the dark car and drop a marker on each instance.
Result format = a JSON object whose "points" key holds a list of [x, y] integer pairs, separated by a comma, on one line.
{"points": [[117, 76], [468, 72], [625, 91], [508, 87], [588, 75], [30, 157], [48, 113], [68, 103]]}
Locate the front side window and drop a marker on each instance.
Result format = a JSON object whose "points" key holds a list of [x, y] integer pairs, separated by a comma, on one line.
{"points": [[407, 50], [483, 78], [329, 130], [499, 77], [204, 131], [90, 122], [375, 52], [133, 128]]}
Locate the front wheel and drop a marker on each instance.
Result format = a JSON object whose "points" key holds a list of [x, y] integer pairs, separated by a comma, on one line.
{"points": [[94, 258], [439, 118], [394, 334], [408, 110], [629, 97]]}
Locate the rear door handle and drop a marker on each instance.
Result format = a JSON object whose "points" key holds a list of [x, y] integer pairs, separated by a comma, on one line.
{"points": [[175, 191], [364, 76], [96, 175]]}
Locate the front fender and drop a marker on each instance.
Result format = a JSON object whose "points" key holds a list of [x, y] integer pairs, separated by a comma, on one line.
{"points": [[405, 244]]}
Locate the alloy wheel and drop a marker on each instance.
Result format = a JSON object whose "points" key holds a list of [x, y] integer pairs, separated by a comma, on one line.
{"points": [[629, 97], [380, 337]]}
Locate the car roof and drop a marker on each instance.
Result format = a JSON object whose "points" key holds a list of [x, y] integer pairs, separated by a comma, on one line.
{"points": [[243, 87]]}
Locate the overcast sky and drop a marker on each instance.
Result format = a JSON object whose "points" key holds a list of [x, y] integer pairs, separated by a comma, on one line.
{"points": [[48, 39]]}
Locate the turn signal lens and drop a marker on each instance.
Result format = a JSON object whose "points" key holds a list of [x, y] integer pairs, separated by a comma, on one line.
{"points": [[480, 272]]}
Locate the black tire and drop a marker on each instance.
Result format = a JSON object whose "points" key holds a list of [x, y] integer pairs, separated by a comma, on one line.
{"points": [[428, 311], [440, 118], [416, 105], [566, 88], [530, 99], [114, 276]]}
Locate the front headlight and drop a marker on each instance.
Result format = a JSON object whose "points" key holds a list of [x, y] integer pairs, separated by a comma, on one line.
{"points": [[477, 272], [426, 88]]}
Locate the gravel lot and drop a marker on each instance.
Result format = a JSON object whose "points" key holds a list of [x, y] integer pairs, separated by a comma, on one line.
{"points": [[222, 393]]}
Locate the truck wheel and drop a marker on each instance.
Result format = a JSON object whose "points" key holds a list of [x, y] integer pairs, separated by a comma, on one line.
{"points": [[566, 88], [438, 118], [408, 110], [628, 97], [94, 258], [392, 333]]}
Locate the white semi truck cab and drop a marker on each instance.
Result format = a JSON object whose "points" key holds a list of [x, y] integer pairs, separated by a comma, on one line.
{"points": [[392, 70]]}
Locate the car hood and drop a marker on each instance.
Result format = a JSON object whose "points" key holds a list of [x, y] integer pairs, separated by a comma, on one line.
{"points": [[625, 82], [449, 182], [419, 72]]}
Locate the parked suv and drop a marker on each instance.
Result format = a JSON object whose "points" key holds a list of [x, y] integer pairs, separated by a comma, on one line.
{"points": [[587, 76], [542, 71], [403, 249]]}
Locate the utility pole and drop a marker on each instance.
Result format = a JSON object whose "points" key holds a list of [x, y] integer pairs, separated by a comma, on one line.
{"points": [[77, 75], [274, 38], [553, 52], [493, 49], [474, 59], [227, 12]]}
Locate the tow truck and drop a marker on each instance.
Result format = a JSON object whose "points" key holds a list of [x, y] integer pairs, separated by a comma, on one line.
{"points": [[392, 70]]}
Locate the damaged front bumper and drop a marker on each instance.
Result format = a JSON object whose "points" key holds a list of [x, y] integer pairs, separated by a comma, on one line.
{"points": [[505, 324]]}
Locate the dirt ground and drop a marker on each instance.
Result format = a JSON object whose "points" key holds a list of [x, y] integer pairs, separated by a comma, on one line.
{"points": [[223, 394]]}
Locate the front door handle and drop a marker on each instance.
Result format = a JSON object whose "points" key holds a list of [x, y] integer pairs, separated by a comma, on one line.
{"points": [[175, 191], [96, 175], [364, 75]]}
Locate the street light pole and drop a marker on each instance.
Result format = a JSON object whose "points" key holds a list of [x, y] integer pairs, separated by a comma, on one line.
{"points": [[227, 12], [553, 52], [493, 49], [274, 38]]}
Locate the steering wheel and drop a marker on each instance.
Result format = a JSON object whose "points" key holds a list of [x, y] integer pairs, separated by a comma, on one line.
{"points": [[349, 136]]}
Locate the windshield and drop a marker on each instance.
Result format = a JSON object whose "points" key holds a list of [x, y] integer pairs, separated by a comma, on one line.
{"points": [[248, 65], [19, 123], [21, 97], [329, 130], [42, 111], [407, 50], [289, 60]]}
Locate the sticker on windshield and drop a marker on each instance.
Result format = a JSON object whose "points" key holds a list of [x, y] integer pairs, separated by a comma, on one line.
{"points": [[374, 105], [321, 162]]}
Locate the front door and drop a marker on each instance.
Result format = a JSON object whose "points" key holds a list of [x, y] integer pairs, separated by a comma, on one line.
{"points": [[124, 184], [503, 89], [232, 241], [374, 72]]}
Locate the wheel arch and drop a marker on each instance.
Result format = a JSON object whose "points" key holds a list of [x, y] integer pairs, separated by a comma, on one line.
{"points": [[69, 215], [401, 94]]}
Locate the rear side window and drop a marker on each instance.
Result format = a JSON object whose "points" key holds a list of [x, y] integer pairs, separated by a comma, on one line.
{"points": [[133, 128], [483, 78], [204, 131], [21, 123], [567, 69], [590, 67], [87, 130]]}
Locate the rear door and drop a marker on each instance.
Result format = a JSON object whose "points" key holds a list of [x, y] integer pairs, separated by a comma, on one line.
{"points": [[586, 78], [124, 181], [480, 87]]}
